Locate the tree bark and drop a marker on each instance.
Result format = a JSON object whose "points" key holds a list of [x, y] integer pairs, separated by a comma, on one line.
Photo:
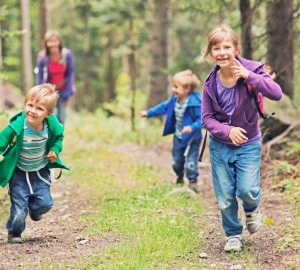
{"points": [[246, 19], [27, 70], [158, 43], [132, 65], [2, 96], [43, 21], [280, 43]]}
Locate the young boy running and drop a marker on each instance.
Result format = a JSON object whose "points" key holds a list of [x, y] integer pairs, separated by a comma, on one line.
{"points": [[30, 145]]}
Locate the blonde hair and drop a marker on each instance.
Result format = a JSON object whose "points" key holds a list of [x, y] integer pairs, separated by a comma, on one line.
{"points": [[220, 33], [186, 78], [48, 35], [43, 92]]}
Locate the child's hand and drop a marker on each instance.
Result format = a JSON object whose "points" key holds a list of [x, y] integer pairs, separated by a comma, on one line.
{"points": [[143, 113], [186, 129], [238, 70], [237, 137], [52, 156]]}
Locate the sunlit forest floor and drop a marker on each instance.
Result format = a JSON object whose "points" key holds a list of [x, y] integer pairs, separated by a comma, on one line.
{"points": [[118, 208]]}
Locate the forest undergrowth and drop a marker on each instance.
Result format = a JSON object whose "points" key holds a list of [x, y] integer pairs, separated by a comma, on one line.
{"points": [[117, 207]]}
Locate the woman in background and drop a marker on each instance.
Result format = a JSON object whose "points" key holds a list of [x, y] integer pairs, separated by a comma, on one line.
{"points": [[55, 65]]}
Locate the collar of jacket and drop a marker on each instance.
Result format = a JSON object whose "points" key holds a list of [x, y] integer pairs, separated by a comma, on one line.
{"points": [[17, 123], [194, 98], [248, 64]]}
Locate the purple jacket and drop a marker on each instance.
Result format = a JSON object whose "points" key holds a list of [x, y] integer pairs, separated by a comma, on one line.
{"points": [[215, 120], [69, 75]]}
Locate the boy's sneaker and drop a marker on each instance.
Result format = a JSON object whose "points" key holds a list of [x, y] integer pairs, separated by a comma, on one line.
{"points": [[34, 217], [180, 179], [253, 221], [14, 238], [233, 243], [194, 187]]}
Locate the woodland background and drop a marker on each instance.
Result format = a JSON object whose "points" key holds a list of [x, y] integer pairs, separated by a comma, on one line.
{"points": [[132, 217], [126, 51]]}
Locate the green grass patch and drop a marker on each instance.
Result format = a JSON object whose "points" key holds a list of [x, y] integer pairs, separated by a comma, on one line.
{"points": [[129, 199]]}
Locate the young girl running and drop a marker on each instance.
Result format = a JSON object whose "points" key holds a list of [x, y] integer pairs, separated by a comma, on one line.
{"points": [[235, 136], [183, 119]]}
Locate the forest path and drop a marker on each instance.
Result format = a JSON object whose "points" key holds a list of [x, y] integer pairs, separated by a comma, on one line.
{"points": [[267, 245], [58, 236]]}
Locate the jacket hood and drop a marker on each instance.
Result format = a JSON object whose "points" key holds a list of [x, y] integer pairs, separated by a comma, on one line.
{"points": [[248, 64], [195, 99]]}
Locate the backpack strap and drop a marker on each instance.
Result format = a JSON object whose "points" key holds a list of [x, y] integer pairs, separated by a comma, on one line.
{"points": [[257, 102], [203, 147]]}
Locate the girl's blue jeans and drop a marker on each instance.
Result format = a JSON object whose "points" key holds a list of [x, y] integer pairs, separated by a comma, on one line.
{"points": [[39, 203], [236, 173], [189, 163]]}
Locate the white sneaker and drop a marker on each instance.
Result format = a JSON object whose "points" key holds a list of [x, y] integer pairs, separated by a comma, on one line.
{"points": [[233, 243]]}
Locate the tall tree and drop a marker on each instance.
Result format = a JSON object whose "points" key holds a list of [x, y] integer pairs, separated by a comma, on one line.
{"points": [[158, 41], [2, 96], [246, 19], [26, 48], [43, 21], [280, 43]]}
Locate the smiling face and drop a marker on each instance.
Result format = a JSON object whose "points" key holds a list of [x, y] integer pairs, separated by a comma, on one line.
{"points": [[35, 112], [179, 91], [224, 52], [53, 44]]}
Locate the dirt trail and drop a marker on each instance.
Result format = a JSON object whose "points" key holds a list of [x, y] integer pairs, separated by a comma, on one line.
{"points": [[262, 245], [58, 236]]}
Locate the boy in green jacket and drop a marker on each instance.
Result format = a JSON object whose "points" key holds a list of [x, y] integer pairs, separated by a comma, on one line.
{"points": [[30, 145]]}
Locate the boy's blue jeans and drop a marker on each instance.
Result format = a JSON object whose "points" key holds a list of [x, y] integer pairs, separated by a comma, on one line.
{"points": [[40, 202], [236, 173], [190, 162]]}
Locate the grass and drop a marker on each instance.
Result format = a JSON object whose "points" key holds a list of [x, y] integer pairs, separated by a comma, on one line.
{"points": [[131, 201]]}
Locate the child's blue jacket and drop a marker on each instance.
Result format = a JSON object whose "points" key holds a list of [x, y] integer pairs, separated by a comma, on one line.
{"points": [[194, 121]]}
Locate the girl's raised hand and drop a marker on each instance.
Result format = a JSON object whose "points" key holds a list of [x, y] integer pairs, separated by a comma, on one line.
{"points": [[236, 136], [238, 70]]}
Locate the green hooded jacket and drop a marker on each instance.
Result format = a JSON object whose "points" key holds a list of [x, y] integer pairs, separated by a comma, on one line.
{"points": [[16, 124]]}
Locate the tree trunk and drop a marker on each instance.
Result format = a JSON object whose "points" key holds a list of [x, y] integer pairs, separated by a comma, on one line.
{"points": [[27, 70], [43, 21], [280, 43], [2, 96], [158, 43], [246, 18], [131, 64]]}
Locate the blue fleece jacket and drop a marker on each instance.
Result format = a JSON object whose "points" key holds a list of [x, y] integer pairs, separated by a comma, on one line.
{"points": [[191, 116]]}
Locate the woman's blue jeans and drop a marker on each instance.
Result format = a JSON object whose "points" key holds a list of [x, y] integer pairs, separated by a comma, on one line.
{"points": [[236, 173], [60, 111], [190, 162], [39, 203]]}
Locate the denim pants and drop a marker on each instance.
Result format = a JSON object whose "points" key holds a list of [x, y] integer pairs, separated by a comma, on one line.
{"points": [[39, 201], [190, 162], [60, 111], [236, 173]]}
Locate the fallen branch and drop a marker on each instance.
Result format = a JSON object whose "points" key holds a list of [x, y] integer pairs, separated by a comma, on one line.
{"points": [[278, 138]]}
